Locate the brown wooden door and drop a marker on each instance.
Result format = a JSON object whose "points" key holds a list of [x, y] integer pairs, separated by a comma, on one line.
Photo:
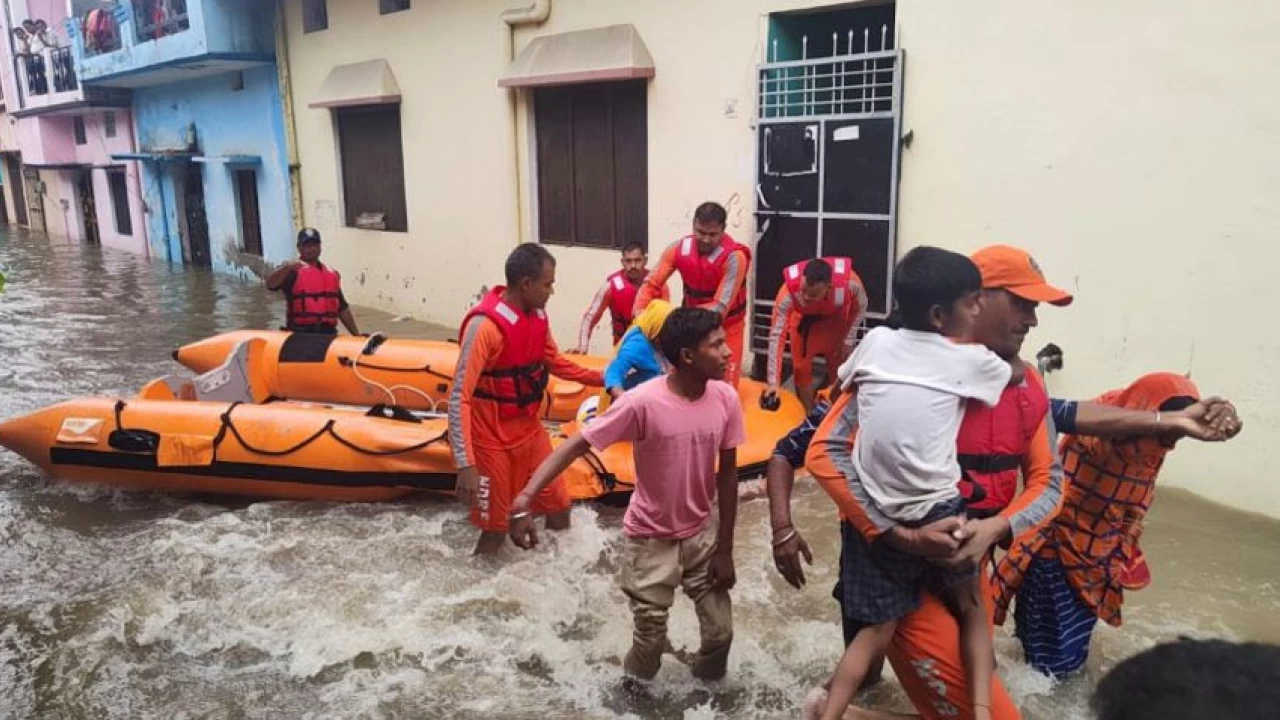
{"points": [[250, 223], [13, 176], [197, 222], [592, 148], [373, 165], [88, 208]]}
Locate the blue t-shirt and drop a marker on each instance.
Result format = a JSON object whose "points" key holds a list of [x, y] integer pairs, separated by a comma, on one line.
{"points": [[1064, 415], [793, 447], [635, 362]]}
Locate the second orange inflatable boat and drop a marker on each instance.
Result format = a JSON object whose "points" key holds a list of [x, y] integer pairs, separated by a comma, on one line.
{"points": [[352, 370]]}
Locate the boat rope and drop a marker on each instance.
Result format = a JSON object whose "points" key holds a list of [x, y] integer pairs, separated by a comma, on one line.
{"points": [[228, 426], [607, 479], [148, 441], [425, 369], [435, 406], [390, 391]]}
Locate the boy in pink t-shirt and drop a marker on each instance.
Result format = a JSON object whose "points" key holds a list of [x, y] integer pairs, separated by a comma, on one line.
{"points": [[679, 426]]}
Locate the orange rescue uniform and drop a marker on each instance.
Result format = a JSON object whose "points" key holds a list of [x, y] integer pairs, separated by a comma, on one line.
{"points": [[617, 295], [729, 298], [830, 336], [505, 450], [926, 652]]}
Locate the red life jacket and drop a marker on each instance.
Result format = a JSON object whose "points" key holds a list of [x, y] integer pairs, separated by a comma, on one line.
{"points": [[836, 298], [314, 297], [517, 381], [622, 302], [702, 273], [993, 441]]}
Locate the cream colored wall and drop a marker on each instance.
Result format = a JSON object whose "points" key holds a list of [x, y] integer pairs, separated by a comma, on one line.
{"points": [[1134, 149], [459, 176], [459, 161]]}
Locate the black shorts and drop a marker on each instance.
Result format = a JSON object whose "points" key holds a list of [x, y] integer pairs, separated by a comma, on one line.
{"points": [[879, 583]]}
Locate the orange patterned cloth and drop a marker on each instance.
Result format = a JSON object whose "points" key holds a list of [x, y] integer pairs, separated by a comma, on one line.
{"points": [[1110, 487]]}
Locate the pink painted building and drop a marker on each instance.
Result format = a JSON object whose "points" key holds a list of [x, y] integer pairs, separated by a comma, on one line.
{"points": [[61, 179]]}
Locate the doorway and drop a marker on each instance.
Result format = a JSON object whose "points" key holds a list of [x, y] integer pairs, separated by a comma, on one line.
{"points": [[88, 208], [195, 223], [250, 223], [827, 146], [34, 190], [13, 171]]}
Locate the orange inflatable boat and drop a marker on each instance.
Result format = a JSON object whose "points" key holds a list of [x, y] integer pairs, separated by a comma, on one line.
{"points": [[351, 370], [222, 433]]}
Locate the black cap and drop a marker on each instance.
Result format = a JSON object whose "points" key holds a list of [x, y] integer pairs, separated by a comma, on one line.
{"points": [[308, 235]]}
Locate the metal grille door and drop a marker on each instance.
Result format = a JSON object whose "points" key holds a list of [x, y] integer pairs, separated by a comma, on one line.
{"points": [[827, 168]]}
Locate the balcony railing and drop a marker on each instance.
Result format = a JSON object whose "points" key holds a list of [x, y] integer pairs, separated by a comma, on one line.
{"points": [[34, 71], [64, 69]]}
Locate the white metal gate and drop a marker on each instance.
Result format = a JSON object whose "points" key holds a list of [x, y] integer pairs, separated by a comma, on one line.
{"points": [[827, 146]]}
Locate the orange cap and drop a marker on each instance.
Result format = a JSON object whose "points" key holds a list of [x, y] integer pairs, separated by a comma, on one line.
{"points": [[1009, 268]]}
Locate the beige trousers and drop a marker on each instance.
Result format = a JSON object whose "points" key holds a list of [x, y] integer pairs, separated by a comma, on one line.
{"points": [[652, 568]]}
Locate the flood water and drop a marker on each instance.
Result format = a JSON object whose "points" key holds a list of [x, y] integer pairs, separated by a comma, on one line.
{"points": [[120, 605]]}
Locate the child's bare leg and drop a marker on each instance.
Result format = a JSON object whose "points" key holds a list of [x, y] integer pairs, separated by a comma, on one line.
{"points": [[867, 648], [816, 701], [975, 643]]}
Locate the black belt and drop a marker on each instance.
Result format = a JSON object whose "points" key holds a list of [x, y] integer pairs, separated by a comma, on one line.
{"points": [[990, 463]]}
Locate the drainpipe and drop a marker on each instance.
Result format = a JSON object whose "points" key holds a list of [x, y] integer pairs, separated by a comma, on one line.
{"points": [[535, 13], [290, 127]]}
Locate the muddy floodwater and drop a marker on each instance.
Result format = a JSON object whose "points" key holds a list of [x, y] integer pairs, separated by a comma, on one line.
{"points": [[125, 605]]}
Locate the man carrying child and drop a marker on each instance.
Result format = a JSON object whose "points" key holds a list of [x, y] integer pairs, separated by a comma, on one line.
{"points": [[912, 388], [681, 425], [926, 649]]}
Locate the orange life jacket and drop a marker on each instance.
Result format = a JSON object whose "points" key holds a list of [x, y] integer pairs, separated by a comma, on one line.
{"points": [[992, 442], [836, 298], [622, 302], [1110, 486], [702, 274], [517, 381], [314, 297]]}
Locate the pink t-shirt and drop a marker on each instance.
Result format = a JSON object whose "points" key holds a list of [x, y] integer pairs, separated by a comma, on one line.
{"points": [[675, 442]]}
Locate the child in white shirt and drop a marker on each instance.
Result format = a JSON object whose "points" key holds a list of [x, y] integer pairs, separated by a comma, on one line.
{"points": [[912, 388]]}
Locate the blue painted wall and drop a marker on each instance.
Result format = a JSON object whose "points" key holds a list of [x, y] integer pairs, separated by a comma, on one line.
{"points": [[243, 122], [218, 28], [240, 26]]}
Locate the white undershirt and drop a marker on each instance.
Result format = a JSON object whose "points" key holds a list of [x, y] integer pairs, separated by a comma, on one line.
{"points": [[912, 390]]}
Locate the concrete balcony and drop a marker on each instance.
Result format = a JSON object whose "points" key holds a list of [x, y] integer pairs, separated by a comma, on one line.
{"points": [[155, 42], [47, 84]]}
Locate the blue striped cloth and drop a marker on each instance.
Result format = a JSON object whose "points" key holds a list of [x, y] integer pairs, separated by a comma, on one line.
{"points": [[1053, 624], [793, 447]]}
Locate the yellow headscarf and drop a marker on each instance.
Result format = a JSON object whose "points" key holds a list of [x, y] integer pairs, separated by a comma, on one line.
{"points": [[650, 321]]}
